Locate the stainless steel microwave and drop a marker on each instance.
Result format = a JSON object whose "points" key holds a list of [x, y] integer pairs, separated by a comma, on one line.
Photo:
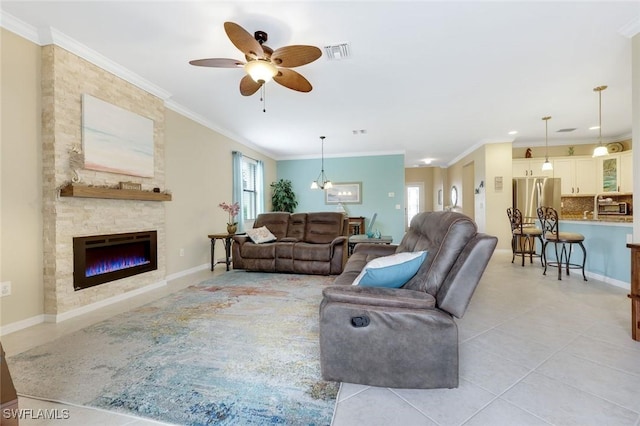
{"points": [[613, 208]]}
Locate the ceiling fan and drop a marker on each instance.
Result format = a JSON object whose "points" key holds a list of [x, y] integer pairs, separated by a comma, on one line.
{"points": [[263, 63]]}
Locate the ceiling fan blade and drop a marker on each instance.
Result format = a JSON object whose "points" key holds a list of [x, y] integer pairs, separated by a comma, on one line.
{"points": [[244, 41], [292, 80], [248, 87], [217, 63], [296, 55]]}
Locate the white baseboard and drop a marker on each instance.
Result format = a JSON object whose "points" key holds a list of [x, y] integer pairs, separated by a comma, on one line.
{"points": [[38, 319], [188, 271], [20, 325], [102, 303]]}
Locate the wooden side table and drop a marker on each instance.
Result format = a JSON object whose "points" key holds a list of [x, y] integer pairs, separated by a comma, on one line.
{"points": [[356, 225], [635, 291], [227, 240]]}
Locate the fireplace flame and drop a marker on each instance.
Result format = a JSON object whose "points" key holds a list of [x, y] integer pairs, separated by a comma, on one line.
{"points": [[111, 265]]}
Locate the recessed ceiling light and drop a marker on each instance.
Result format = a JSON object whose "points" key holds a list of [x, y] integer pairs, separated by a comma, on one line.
{"points": [[513, 132], [427, 161], [594, 127]]}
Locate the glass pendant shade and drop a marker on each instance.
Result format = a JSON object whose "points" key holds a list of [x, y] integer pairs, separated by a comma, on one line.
{"points": [[261, 71], [321, 181], [547, 165], [600, 150]]}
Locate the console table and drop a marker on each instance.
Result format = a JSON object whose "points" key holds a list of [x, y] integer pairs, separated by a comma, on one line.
{"points": [[356, 239], [227, 240]]}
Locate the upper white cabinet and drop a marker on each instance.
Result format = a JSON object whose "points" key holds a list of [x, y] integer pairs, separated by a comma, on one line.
{"points": [[626, 171], [577, 175], [615, 172], [530, 167]]}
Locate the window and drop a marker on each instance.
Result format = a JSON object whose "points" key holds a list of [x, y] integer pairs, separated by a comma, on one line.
{"points": [[249, 189]]}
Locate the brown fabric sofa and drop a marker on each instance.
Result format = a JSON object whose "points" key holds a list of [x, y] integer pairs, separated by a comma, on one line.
{"points": [[307, 243], [405, 337]]}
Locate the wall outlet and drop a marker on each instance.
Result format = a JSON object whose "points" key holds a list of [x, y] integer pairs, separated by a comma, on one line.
{"points": [[5, 288], [181, 252], [392, 194], [397, 206], [629, 238]]}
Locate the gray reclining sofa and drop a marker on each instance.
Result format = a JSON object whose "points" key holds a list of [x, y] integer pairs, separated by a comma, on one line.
{"points": [[405, 337]]}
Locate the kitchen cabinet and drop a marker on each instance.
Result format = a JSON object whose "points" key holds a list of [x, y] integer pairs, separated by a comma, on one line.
{"points": [[615, 172], [626, 171], [529, 167], [577, 175]]}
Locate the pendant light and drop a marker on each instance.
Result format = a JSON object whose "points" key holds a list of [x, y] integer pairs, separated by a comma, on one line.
{"points": [[321, 181], [600, 150], [547, 164]]}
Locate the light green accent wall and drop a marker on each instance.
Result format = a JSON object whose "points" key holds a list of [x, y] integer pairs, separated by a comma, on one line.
{"points": [[380, 175]]}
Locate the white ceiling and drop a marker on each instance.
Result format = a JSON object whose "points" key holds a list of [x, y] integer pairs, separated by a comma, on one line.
{"points": [[428, 79]]}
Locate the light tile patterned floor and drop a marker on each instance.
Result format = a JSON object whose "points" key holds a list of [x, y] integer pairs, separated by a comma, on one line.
{"points": [[533, 351]]}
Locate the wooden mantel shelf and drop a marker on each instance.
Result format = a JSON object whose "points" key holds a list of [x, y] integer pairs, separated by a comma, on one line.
{"points": [[84, 191]]}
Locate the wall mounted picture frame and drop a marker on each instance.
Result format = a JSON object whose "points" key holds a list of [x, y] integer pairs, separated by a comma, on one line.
{"points": [[116, 140], [345, 193]]}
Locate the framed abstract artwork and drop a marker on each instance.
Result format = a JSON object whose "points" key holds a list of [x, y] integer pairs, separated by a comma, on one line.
{"points": [[116, 140]]}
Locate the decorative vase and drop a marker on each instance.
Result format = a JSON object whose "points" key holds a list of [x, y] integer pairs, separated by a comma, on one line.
{"points": [[232, 228]]}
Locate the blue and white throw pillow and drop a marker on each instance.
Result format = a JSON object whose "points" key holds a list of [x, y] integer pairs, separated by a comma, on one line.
{"points": [[391, 271]]}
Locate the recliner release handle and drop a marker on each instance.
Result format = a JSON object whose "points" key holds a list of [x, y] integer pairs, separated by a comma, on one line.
{"points": [[361, 321]]}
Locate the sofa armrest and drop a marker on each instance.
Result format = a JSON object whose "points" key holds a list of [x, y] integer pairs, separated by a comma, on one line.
{"points": [[241, 239], [338, 240], [375, 249], [378, 296]]}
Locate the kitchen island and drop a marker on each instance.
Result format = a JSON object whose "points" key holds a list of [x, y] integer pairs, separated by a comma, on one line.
{"points": [[608, 258]]}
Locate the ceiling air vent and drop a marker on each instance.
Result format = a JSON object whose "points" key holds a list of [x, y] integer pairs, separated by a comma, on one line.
{"points": [[567, 130], [337, 52]]}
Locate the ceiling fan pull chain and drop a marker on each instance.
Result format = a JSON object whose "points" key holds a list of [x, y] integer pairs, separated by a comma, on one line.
{"points": [[263, 97]]}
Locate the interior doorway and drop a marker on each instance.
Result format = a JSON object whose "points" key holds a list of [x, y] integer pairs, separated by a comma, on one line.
{"points": [[468, 186], [415, 201]]}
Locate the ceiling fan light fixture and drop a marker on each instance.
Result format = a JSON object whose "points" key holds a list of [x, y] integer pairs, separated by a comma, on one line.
{"points": [[601, 149], [260, 70]]}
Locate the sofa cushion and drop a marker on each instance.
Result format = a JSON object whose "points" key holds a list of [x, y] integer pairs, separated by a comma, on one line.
{"points": [[323, 227], [258, 251], [261, 235], [297, 224], [312, 252], [391, 271]]}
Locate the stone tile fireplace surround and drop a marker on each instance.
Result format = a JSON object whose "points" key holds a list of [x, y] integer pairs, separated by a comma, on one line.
{"points": [[65, 77]]}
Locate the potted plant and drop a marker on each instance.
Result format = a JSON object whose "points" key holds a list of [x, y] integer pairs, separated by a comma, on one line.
{"points": [[233, 210], [283, 199]]}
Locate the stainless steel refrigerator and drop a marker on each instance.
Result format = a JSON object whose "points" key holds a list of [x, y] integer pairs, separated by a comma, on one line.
{"points": [[531, 193]]}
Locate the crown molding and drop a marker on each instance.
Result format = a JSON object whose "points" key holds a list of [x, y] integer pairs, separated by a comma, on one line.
{"points": [[45, 36], [631, 29], [53, 36], [21, 28], [182, 110]]}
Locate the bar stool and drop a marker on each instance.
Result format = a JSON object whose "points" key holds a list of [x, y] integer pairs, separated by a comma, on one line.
{"points": [[548, 217], [523, 238]]}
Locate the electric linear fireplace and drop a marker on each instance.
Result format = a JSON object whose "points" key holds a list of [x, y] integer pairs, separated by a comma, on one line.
{"points": [[99, 259]]}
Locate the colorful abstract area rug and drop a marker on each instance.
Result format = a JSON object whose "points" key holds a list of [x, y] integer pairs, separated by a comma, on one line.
{"points": [[241, 348]]}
